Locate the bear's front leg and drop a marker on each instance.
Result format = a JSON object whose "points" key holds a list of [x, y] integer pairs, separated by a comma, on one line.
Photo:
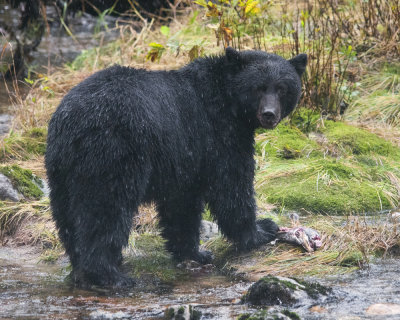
{"points": [[232, 204], [180, 222]]}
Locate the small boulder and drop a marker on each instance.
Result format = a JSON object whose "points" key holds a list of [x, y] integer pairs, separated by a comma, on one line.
{"points": [[394, 215], [384, 309], [283, 291], [7, 191]]}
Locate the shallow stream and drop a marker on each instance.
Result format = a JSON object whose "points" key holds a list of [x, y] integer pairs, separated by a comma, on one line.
{"points": [[30, 289]]}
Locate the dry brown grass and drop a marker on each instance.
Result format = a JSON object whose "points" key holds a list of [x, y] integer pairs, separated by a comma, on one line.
{"points": [[20, 216], [385, 131], [130, 49], [348, 244]]}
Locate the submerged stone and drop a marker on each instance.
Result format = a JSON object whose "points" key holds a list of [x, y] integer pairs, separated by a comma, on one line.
{"points": [[107, 315], [182, 313], [384, 309]]}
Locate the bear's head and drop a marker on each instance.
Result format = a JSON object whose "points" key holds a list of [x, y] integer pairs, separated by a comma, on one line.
{"points": [[263, 88]]}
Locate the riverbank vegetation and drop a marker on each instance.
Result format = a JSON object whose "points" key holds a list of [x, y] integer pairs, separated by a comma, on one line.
{"points": [[338, 154]]}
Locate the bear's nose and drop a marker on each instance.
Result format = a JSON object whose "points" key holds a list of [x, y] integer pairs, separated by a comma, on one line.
{"points": [[268, 116]]}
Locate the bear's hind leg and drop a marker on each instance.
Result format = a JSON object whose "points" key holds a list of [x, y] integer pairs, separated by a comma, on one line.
{"points": [[102, 228], [180, 222], [60, 209]]}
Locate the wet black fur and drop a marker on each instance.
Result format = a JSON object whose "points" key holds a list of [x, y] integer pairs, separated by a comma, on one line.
{"points": [[179, 138]]}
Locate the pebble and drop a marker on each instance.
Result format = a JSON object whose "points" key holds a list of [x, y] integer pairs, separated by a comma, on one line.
{"points": [[384, 309]]}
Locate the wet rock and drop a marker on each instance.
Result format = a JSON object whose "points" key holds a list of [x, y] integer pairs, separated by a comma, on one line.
{"points": [[283, 291], [270, 314], [384, 309], [318, 309], [44, 186], [7, 190], [182, 313], [5, 123], [394, 215], [106, 315], [195, 267], [208, 230]]}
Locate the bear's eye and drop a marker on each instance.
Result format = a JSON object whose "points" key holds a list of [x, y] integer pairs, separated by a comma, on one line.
{"points": [[263, 88], [281, 89]]}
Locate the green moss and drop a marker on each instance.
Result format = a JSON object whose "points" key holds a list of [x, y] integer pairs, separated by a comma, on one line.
{"points": [[341, 169], [324, 186], [271, 279], [270, 290], [169, 313], [194, 314], [221, 249], [24, 181], [259, 315], [313, 289], [147, 256], [352, 259], [181, 310], [284, 142], [292, 315], [207, 215], [306, 120], [353, 140]]}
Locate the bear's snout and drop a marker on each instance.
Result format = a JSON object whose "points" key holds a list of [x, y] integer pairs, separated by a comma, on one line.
{"points": [[269, 111], [268, 118]]}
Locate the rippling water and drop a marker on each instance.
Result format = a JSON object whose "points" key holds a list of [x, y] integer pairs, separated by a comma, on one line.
{"points": [[32, 290]]}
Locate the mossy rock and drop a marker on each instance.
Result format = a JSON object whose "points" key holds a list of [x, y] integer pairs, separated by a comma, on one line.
{"points": [[271, 290], [353, 140], [24, 181], [270, 315], [313, 289]]}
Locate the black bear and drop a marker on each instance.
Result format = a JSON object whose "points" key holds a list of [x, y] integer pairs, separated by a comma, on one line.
{"points": [[181, 139]]}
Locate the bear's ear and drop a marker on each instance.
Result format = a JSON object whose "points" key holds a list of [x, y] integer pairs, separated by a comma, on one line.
{"points": [[299, 62], [232, 55]]}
